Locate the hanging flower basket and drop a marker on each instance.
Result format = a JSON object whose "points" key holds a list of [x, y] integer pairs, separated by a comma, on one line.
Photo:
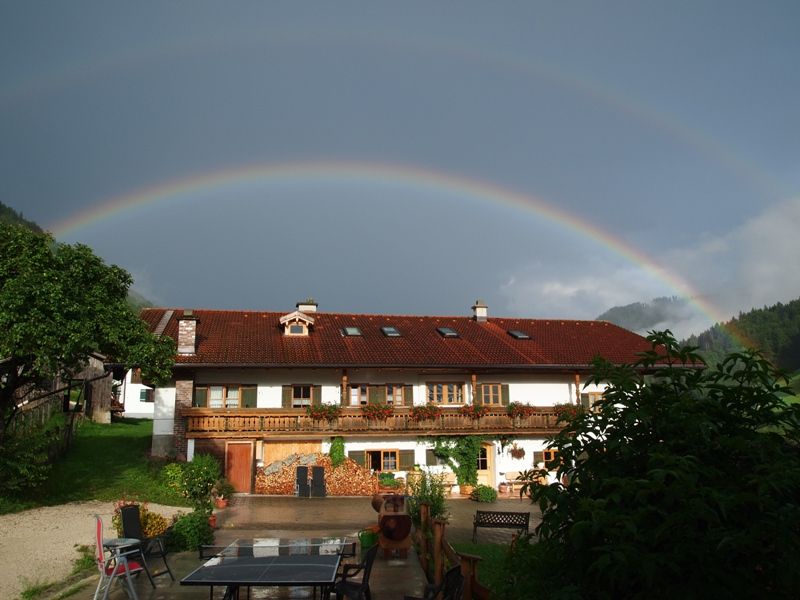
{"points": [[516, 452]]}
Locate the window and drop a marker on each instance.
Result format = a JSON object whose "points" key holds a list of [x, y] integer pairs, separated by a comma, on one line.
{"points": [[548, 456], [390, 331], [145, 395], [359, 394], [483, 459], [297, 330], [446, 393], [225, 396], [589, 399], [301, 396], [394, 394], [351, 331], [519, 335], [447, 332], [490, 393]]}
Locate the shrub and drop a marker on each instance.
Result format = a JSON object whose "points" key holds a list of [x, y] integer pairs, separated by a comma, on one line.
{"points": [[199, 477], [153, 524], [683, 483], [23, 460], [428, 488], [484, 493], [337, 451], [172, 476], [191, 531]]}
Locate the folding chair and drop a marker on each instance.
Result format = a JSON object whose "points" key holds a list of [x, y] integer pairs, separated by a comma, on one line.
{"points": [[117, 564]]}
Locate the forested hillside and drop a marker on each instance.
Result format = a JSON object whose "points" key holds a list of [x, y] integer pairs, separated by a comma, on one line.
{"points": [[774, 330], [9, 215], [642, 317]]}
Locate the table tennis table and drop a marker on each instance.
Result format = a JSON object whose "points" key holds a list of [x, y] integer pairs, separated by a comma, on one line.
{"points": [[267, 562]]}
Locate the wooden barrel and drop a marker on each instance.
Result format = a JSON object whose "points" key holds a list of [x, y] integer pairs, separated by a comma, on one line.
{"points": [[395, 526]]}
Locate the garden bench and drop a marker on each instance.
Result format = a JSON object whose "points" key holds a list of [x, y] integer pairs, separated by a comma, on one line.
{"points": [[499, 520]]}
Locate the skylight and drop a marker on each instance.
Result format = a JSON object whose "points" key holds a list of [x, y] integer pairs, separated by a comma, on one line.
{"points": [[447, 332], [517, 334], [390, 331], [351, 331]]}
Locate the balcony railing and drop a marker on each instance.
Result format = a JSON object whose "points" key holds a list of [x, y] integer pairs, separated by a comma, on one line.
{"points": [[206, 423]]}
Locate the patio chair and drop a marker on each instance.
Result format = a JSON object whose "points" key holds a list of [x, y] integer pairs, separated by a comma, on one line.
{"points": [[153, 547], [451, 588], [357, 589], [116, 565]]}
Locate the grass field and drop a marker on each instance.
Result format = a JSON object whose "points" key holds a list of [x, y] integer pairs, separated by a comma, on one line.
{"points": [[105, 462]]}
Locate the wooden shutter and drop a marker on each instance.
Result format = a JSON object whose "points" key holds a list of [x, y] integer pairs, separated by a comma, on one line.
{"points": [[316, 395], [201, 396], [504, 394], [430, 457], [249, 395], [408, 395], [406, 460], [286, 398], [477, 394], [376, 394], [358, 456]]}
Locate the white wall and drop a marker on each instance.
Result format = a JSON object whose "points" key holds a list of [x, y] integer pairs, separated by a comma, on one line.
{"points": [[130, 394]]}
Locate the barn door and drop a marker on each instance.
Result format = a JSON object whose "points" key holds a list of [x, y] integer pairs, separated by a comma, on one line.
{"points": [[239, 465]]}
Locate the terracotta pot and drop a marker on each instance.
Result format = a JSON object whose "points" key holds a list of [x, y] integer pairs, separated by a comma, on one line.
{"points": [[503, 488], [212, 520], [466, 489], [221, 502]]}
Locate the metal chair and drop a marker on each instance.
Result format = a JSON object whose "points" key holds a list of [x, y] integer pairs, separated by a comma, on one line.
{"points": [[356, 589], [451, 588], [118, 563], [153, 547]]}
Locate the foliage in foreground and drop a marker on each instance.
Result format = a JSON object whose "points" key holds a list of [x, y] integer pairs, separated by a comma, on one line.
{"points": [[190, 531], [684, 484], [425, 487]]}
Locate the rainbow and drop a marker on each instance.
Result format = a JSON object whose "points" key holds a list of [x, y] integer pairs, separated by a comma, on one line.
{"points": [[328, 172]]}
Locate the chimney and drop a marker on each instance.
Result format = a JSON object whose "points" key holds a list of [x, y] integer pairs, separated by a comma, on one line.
{"points": [[480, 312], [307, 306], [187, 333]]}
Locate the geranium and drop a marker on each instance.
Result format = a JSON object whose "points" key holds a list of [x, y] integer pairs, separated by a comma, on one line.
{"points": [[428, 412], [473, 411], [517, 410], [567, 412], [377, 411], [324, 412]]}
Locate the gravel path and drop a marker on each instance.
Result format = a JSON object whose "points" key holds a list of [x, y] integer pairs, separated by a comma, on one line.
{"points": [[39, 545]]}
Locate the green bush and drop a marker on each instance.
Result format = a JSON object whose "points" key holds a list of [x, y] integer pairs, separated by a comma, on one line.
{"points": [[683, 483], [189, 532], [337, 451], [425, 487], [199, 477], [23, 461], [484, 493], [388, 480], [172, 476]]}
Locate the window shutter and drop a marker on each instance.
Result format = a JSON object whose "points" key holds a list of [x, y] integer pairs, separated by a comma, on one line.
{"points": [[430, 457], [286, 399], [408, 395], [249, 395], [477, 394], [374, 395], [200, 393], [585, 401], [316, 395], [358, 457], [406, 460], [504, 394]]}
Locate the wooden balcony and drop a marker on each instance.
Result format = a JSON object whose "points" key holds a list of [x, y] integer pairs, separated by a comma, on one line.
{"points": [[291, 423]]}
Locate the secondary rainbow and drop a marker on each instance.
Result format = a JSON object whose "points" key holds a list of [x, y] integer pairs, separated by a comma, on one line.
{"points": [[378, 174]]}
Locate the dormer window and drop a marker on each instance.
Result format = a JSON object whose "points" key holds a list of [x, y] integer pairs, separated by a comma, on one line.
{"points": [[447, 332], [351, 331], [296, 324]]}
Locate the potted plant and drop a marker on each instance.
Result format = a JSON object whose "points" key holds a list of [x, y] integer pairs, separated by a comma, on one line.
{"points": [[222, 492], [324, 412], [377, 411], [516, 451], [517, 410], [427, 412], [473, 411]]}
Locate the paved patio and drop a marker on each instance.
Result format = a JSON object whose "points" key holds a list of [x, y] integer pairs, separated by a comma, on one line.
{"points": [[290, 517]]}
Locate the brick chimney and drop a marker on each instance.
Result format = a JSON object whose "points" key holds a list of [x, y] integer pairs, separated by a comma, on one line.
{"points": [[309, 305], [187, 333], [480, 312]]}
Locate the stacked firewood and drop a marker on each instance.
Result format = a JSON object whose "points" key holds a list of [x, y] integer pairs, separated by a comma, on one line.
{"points": [[348, 479]]}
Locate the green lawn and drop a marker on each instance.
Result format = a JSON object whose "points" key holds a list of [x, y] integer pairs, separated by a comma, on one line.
{"points": [[490, 569], [105, 462]]}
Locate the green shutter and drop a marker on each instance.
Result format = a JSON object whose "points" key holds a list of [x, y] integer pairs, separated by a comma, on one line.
{"points": [[357, 456], [406, 460], [430, 457], [249, 395], [408, 395], [504, 394], [286, 399], [200, 396], [376, 394], [316, 395], [477, 395]]}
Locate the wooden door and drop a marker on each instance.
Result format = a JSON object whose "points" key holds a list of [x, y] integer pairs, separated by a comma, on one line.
{"points": [[239, 465], [486, 465]]}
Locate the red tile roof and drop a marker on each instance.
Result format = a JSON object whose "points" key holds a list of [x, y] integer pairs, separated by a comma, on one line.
{"points": [[251, 338]]}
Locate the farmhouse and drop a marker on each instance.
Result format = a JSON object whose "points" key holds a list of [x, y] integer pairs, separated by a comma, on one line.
{"points": [[244, 382]]}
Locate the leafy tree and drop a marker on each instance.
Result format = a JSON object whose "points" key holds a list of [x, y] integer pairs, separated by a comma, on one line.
{"points": [[60, 303], [684, 484]]}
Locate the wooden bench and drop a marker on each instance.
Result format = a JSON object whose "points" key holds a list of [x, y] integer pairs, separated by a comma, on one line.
{"points": [[499, 520]]}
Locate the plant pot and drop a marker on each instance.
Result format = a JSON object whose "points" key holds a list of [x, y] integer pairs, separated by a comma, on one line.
{"points": [[221, 502], [503, 488], [466, 489], [212, 520]]}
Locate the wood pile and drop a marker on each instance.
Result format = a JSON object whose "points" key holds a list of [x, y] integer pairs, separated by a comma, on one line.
{"points": [[348, 479]]}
